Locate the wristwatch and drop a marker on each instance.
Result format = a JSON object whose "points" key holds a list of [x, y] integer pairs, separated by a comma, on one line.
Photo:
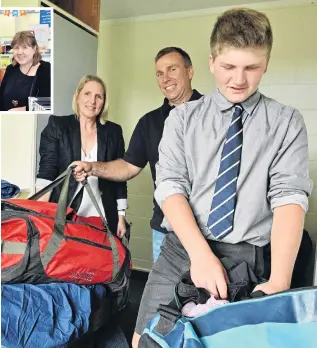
{"points": [[121, 212]]}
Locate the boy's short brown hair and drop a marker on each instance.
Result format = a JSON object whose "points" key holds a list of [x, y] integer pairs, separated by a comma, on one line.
{"points": [[241, 28]]}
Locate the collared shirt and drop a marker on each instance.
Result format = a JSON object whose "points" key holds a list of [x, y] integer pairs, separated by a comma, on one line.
{"points": [[273, 168], [143, 147]]}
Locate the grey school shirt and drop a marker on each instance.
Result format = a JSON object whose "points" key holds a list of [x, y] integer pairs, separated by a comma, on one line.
{"points": [[273, 169]]}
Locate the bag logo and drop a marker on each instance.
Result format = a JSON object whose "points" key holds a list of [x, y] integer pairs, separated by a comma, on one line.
{"points": [[89, 276]]}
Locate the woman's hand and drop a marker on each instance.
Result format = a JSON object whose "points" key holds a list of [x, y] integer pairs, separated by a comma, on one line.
{"points": [[22, 108], [121, 229]]}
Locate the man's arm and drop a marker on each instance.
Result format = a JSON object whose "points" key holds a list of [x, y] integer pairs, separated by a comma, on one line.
{"points": [[172, 193], [289, 188], [118, 170], [135, 159]]}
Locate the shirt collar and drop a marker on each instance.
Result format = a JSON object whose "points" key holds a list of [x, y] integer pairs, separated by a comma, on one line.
{"points": [[167, 107], [248, 105]]}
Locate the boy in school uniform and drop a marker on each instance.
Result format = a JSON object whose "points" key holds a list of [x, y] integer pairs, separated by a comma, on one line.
{"points": [[232, 177]]}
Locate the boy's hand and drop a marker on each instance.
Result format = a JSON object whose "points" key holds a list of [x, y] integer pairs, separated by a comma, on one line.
{"points": [[271, 288], [207, 272]]}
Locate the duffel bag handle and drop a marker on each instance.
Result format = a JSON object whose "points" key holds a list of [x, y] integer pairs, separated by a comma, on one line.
{"points": [[60, 219]]}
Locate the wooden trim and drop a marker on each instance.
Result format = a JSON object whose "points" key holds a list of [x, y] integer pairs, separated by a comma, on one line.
{"points": [[67, 16]]}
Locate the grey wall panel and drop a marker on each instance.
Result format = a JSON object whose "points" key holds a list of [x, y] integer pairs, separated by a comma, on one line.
{"points": [[75, 55]]}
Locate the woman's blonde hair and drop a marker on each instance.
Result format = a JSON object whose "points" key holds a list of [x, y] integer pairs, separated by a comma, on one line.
{"points": [[27, 38], [104, 110]]}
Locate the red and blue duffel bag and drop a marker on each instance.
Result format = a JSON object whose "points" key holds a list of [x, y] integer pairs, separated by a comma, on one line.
{"points": [[45, 242]]}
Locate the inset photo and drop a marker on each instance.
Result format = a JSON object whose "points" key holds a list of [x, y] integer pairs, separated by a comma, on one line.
{"points": [[26, 56]]}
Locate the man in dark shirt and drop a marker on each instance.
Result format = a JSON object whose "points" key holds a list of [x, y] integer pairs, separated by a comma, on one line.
{"points": [[174, 72]]}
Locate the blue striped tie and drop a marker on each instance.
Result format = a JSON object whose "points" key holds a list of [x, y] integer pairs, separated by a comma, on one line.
{"points": [[220, 221]]}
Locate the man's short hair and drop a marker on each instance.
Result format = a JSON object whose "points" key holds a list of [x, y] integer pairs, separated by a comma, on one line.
{"points": [[178, 50], [241, 28]]}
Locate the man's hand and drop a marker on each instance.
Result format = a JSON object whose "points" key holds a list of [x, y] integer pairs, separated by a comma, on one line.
{"points": [[207, 272], [122, 228], [82, 170], [271, 288]]}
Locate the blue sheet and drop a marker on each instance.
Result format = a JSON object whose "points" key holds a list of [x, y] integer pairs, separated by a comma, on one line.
{"points": [[47, 315]]}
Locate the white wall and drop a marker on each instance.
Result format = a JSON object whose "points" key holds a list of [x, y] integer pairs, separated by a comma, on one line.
{"points": [[18, 149]]}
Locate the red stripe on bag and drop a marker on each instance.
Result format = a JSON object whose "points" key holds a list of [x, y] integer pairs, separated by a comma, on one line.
{"points": [[92, 270], [14, 230], [10, 260], [45, 208]]}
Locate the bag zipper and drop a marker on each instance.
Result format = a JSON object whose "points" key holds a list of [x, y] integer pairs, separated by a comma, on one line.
{"points": [[85, 241], [16, 214], [35, 213]]}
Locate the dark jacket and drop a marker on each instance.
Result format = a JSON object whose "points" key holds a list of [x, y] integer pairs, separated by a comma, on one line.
{"points": [[61, 145], [41, 86]]}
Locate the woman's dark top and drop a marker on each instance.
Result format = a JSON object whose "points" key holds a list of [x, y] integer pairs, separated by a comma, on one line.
{"points": [[17, 90], [16, 87]]}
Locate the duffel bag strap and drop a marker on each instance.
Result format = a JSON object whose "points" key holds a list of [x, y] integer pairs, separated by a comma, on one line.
{"points": [[60, 220], [115, 253]]}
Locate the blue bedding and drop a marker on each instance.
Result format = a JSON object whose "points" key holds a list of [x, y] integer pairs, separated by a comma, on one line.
{"points": [[49, 315]]}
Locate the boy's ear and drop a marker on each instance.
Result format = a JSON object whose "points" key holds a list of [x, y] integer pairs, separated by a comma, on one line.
{"points": [[267, 63], [211, 64]]}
